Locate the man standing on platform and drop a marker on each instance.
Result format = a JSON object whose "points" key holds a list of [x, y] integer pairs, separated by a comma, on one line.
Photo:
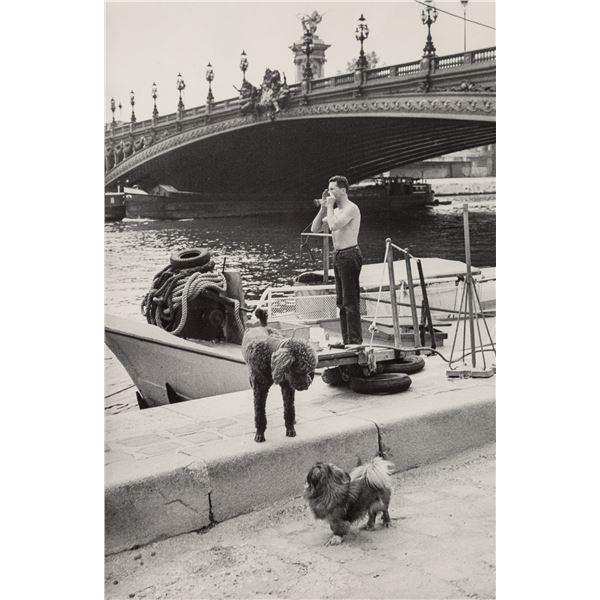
{"points": [[338, 214]]}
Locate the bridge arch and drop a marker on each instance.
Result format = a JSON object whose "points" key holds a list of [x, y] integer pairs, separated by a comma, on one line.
{"points": [[396, 118]]}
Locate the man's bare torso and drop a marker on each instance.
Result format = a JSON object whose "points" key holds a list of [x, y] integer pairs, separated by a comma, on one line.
{"points": [[347, 236]]}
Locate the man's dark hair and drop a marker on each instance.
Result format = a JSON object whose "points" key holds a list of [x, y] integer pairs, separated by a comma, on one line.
{"points": [[341, 181]]}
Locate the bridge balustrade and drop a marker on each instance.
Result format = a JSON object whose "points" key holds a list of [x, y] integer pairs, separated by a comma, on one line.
{"points": [[344, 79], [408, 68], [380, 73], [319, 84], [329, 82], [484, 55], [449, 62]]}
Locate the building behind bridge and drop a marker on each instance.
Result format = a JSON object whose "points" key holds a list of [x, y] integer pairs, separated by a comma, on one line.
{"points": [[474, 162]]}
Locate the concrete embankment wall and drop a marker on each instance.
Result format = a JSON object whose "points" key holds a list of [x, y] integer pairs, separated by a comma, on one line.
{"points": [[167, 475], [463, 185]]}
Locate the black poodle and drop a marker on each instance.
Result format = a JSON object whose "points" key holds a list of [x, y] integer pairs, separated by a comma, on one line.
{"points": [[272, 358]]}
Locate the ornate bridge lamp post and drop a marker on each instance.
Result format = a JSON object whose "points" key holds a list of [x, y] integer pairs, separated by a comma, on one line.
{"points": [[307, 73], [154, 95], [429, 60], [362, 33], [132, 100], [120, 111], [113, 107], [180, 88], [243, 66], [308, 46], [210, 75], [464, 5], [429, 16]]}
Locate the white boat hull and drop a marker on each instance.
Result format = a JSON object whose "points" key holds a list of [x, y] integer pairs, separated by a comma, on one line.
{"points": [[153, 357]]}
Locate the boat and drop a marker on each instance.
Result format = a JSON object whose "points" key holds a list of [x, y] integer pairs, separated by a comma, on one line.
{"points": [[444, 284], [393, 192], [114, 206], [166, 368]]}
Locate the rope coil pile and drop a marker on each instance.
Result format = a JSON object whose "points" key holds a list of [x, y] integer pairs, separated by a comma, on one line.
{"points": [[172, 290]]}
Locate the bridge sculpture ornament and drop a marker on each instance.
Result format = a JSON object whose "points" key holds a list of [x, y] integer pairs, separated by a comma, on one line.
{"points": [[270, 98], [310, 22]]}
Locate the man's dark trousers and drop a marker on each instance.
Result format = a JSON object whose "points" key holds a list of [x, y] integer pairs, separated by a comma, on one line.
{"points": [[347, 264]]}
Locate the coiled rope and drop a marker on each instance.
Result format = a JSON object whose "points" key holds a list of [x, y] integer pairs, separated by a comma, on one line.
{"points": [[166, 304]]}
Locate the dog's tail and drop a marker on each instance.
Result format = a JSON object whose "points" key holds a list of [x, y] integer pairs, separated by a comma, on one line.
{"points": [[261, 315], [377, 473]]}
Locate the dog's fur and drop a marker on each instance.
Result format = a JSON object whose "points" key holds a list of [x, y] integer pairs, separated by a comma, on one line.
{"points": [[274, 359], [343, 498]]}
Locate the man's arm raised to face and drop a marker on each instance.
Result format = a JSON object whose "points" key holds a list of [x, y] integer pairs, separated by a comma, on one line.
{"points": [[319, 224], [341, 219]]}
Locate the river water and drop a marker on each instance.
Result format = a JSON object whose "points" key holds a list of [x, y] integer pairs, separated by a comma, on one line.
{"points": [[266, 248]]}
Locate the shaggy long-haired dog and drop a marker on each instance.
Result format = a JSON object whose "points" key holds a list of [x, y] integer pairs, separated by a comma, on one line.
{"points": [[343, 498], [275, 359]]}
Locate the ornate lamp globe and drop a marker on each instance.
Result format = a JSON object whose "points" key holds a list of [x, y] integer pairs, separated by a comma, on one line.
{"points": [[362, 29], [132, 101], [210, 75], [244, 64], [154, 95]]}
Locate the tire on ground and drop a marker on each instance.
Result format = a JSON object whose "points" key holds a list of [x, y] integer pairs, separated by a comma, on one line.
{"points": [[193, 257], [408, 365], [384, 383], [333, 376]]}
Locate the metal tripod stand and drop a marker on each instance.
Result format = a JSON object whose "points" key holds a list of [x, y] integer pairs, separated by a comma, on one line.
{"points": [[471, 310]]}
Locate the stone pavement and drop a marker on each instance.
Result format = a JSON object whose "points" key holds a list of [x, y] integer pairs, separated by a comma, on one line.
{"points": [[180, 468], [441, 545]]}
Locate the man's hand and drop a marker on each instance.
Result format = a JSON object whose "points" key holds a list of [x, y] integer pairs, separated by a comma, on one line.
{"points": [[329, 201]]}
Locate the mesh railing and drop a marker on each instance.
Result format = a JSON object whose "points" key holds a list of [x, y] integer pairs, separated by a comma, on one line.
{"points": [[314, 303]]}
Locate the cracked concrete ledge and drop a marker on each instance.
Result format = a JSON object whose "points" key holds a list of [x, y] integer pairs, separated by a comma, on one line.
{"points": [[193, 487], [212, 483], [156, 505]]}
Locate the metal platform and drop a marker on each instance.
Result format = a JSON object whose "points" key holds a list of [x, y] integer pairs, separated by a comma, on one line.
{"points": [[361, 355]]}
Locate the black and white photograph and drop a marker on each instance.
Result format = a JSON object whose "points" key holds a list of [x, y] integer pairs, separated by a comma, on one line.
{"points": [[300, 300], [251, 313]]}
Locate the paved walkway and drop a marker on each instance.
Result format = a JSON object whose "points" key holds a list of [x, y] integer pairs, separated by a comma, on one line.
{"points": [[441, 545]]}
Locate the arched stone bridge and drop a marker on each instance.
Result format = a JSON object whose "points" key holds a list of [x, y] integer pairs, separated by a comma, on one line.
{"points": [[357, 124]]}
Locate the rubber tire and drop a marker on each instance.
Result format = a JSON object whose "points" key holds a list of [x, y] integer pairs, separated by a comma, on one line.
{"points": [[385, 383], [408, 365], [187, 259], [332, 376]]}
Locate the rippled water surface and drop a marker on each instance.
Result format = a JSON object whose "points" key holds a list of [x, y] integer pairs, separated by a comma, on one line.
{"points": [[266, 248]]}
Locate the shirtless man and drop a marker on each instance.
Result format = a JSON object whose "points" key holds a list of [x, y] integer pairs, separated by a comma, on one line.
{"points": [[344, 223]]}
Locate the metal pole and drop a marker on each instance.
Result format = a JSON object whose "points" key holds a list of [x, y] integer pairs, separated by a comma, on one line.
{"points": [[413, 304], [469, 283], [426, 304], [390, 261], [325, 259]]}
